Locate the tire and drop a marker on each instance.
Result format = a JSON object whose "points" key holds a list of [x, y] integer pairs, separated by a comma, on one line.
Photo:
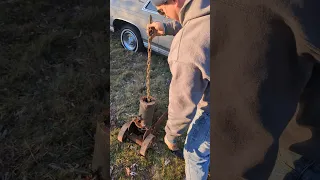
{"points": [[131, 39]]}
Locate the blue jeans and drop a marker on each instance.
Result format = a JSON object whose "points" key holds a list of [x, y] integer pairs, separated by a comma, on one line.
{"points": [[291, 166], [197, 147]]}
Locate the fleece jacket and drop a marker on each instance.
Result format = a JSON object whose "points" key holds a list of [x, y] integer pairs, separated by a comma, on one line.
{"points": [[189, 62]]}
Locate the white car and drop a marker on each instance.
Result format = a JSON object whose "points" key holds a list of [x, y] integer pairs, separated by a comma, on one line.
{"points": [[131, 17]]}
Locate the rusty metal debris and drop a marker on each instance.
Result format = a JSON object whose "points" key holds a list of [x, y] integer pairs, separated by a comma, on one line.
{"points": [[141, 131], [141, 128]]}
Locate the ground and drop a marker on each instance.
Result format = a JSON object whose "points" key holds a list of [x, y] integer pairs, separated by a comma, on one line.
{"points": [[54, 63], [53, 76], [127, 78]]}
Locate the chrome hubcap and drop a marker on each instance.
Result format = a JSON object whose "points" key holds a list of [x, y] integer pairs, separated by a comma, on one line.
{"points": [[129, 40]]}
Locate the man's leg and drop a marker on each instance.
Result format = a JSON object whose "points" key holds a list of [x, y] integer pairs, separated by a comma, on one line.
{"points": [[197, 148]]}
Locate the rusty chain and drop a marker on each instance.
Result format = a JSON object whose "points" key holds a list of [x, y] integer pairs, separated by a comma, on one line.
{"points": [[149, 63]]}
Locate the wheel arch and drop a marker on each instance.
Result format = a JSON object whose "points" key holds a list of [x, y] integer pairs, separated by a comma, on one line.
{"points": [[119, 23]]}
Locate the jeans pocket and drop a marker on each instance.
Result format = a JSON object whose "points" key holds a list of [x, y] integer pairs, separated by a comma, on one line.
{"points": [[198, 138]]}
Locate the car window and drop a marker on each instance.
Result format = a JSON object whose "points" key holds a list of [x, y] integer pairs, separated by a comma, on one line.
{"points": [[151, 7]]}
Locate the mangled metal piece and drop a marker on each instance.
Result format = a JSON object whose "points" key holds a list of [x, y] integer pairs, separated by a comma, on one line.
{"points": [[141, 129]]}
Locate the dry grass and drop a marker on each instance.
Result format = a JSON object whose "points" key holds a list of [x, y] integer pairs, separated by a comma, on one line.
{"points": [[52, 86]]}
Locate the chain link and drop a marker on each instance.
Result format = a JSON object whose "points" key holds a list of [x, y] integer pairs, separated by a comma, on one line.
{"points": [[148, 64]]}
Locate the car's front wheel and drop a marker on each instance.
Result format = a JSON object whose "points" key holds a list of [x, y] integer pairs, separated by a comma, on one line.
{"points": [[131, 38]]}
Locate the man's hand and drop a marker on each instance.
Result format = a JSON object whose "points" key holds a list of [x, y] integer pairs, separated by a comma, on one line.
{"points": [[171, 146], [158, 29]]}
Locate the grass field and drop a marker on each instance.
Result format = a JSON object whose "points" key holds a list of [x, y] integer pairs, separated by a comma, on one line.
{"points": [[53, 61], [127, 76]]}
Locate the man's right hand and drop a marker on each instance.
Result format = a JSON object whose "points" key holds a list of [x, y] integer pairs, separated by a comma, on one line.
{"points": [[158, 29]]}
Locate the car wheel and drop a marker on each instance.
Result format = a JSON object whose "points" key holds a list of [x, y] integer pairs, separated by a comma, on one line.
{"points": [[131, 38]]}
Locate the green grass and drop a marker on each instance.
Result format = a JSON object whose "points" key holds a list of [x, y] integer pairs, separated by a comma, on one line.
{"points": [[127, 76]]}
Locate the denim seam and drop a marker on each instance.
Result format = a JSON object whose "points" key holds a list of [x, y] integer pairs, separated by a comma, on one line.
{"points": [[305, 169]]}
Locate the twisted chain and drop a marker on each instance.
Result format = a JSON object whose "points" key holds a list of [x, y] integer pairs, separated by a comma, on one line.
{"points": [[148, 64]]}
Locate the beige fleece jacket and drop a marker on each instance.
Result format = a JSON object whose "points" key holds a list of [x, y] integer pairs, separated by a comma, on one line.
{"points": [[189, 62]]}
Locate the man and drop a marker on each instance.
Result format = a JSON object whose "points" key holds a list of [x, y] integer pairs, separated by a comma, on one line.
{"points": [[265, 70], [189, 62]]}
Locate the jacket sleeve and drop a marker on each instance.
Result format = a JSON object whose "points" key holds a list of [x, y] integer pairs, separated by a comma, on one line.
{"points": [[186, 90], [172, 28]]}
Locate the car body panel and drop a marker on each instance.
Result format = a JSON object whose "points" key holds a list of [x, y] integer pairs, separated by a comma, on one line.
{"points": [[137, 12]]}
